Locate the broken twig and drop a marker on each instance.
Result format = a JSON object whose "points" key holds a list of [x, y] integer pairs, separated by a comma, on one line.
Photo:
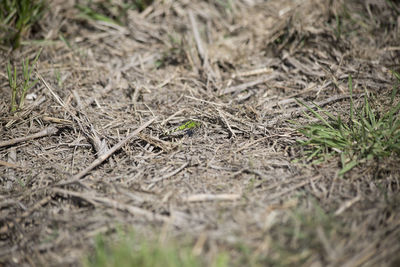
{"points": [[45, 132], [107, 154], [211, 197]]}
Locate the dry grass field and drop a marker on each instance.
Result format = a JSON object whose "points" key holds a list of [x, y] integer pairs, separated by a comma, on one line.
{"points": [[182, 121]]}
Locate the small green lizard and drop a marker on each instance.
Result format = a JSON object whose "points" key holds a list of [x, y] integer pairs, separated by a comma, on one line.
{"points": [[186, 128]]}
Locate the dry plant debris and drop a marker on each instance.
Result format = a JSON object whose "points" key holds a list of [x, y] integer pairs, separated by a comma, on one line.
{"points": [[96, 145]]}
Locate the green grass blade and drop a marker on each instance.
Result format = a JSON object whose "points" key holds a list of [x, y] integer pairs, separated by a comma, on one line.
{"points": [[348, 166], [350, 84], [9, 74], [394, 93], [316, 115], [90, 14], [327, 113], [396, 75], [65, 41]]}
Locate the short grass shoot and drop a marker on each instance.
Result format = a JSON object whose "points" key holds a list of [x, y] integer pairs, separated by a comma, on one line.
{"points": [[21, 85]]}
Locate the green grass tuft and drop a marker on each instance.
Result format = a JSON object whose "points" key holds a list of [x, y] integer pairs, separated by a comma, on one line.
{"points": [[20, 89], [371, 132], [131, 250], [17, 17], [296, 240]]}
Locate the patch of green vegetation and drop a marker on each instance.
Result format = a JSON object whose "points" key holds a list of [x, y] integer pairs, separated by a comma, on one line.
{"points": [[338, 31], [226, 4], [111, 11], [370, 133], [20, 89], [393, 6], [90, 14], [306, 231], [132, 250], [366, 19], [174, 54], [59, 80], [17, 18], [245, 255], [141, 4], [300, 233]]}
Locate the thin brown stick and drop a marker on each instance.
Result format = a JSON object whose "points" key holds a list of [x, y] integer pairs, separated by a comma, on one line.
{"points": [[25, 112], [67, 109], [45, 132], [7, 226], [9, 164], [172, 116], [347, 205], [106, 155], [245, 146], [84, 196], [197, 37], [297, 186], [241, 87], [131, 209], [299, 110], [57, 120], [211, 197], [168, 175], [205, 101], [111, 203], [325, 102], [56, 97], [329, 249], [200, 48], [258, 71], [226, 123]]}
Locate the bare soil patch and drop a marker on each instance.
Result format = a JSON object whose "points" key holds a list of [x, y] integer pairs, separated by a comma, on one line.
{"points": [[234, 68]]}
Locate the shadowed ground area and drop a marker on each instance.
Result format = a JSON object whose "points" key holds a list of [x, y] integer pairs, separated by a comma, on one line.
{"points": [[179, 119]]}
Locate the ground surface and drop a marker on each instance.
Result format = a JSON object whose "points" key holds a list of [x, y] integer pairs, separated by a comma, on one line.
{"points": [[234, 68]]}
